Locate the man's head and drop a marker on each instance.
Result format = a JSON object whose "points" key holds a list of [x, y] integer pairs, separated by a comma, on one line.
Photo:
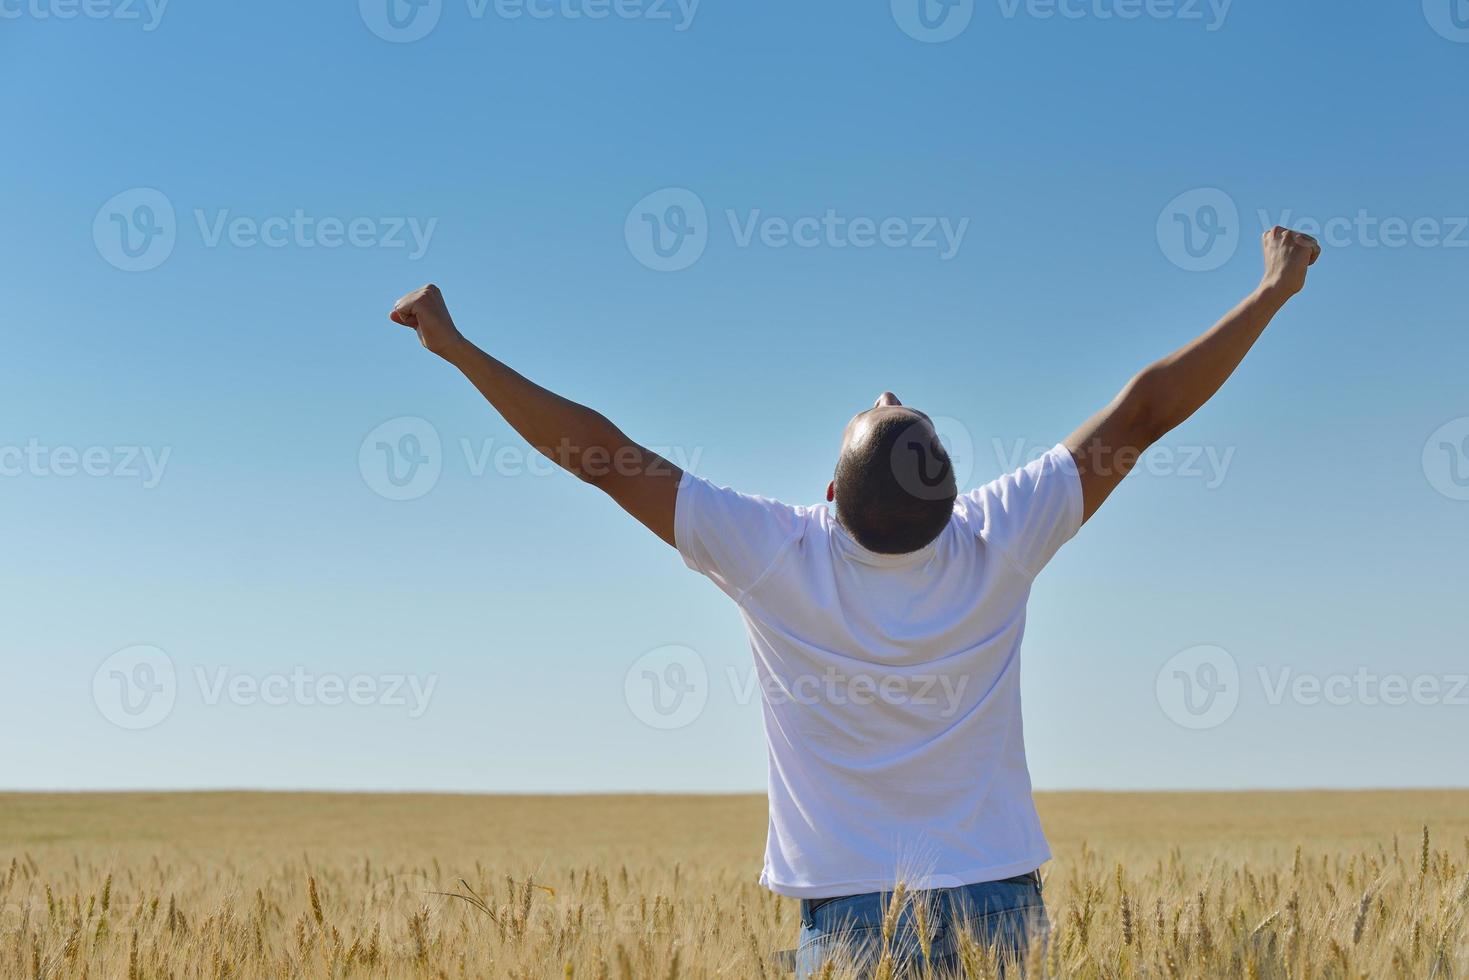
{"points": [[894, 487]]}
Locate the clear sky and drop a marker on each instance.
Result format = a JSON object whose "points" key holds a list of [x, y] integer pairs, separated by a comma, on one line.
{"points": [[998, 210]]}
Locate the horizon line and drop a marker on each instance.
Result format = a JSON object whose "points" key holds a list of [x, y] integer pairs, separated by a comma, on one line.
{"points": [[266, 791]]}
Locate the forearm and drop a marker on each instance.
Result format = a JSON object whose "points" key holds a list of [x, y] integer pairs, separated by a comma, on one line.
{"points": [[576, 438], [1158, 398], [1172, 388], [579, 440]]}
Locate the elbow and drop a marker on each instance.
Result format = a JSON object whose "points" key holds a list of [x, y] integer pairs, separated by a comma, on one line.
{"points": [[600, 465], [582, 462], [593, 452], [592, 476], [1147, 399]]}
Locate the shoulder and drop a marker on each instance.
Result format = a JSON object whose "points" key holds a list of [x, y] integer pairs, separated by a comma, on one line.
{"points": [[734, 538], [701, 497]]}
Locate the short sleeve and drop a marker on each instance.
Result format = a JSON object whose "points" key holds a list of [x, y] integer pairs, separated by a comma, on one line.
{"points": [[732, 538], [1029, 514]]}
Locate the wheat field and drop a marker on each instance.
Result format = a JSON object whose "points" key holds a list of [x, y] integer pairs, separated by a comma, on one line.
{"points": [[1371, 884]]}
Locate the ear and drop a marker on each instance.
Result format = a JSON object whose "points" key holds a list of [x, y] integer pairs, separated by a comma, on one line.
{"points": [[831, 491]]}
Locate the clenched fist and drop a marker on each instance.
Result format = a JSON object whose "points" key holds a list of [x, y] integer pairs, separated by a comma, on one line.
{"points": [[1288, 254], [424, 311]]}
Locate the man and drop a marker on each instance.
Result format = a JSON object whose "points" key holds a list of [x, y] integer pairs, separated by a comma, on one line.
{"points": [[887, 635]]}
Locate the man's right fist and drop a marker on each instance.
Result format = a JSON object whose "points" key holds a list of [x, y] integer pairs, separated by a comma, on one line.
{"points": [[424, 310], [1288, 254]]}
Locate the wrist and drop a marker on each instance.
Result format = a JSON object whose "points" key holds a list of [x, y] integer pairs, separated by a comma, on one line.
{"points": [[454, 350], [1274, 292]]}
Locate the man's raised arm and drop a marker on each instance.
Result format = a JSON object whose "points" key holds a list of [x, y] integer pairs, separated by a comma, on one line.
{"points": [[579, 440], [1168, 391]]}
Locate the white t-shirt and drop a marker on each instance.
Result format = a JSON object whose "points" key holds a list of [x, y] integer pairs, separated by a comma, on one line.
{"points": [[890, 683]]}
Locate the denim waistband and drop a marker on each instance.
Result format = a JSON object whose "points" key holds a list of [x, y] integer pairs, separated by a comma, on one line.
{"points": [[1029, 878]]}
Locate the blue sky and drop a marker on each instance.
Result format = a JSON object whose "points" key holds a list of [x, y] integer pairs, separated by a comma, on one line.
{"points": [[200, 553]]}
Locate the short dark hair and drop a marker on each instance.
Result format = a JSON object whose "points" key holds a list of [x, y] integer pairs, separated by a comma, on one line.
{"points": [[895, 489]]}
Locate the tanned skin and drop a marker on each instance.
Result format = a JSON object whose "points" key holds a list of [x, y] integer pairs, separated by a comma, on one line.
{"points": [[1166, 392], [1106, 447]]}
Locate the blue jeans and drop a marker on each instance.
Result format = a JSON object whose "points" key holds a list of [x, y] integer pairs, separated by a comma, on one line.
{"points": [[1004, 914]]}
